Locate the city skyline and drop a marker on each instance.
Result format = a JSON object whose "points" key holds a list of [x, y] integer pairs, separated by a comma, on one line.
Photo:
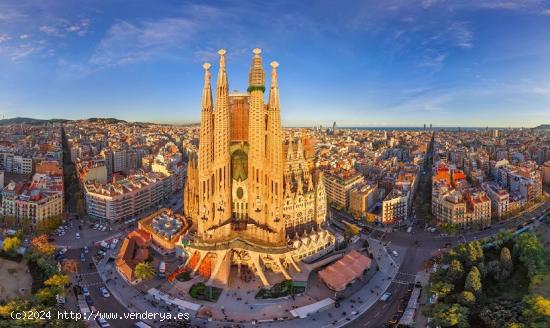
{"points": [[401, 64]]}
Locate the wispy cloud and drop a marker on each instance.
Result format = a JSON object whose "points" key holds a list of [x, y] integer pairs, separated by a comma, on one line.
{"points": [[462, 35], [135, 42], [18, 52], [62, 27], [8, 14], [433, 60], [4, 38]]}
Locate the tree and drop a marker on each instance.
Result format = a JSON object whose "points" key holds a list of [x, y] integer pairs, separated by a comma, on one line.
{"points": [[80, 206], [41, 244], [48, 225], [473, 281], [493, 268], [9, 221], [442, 288], [45, 295], [446, 315], [530, 252], [25, 224], [537, 309], [496, 315], [467, 298], [144, 270], [11, 244], [483, 271], [506, 259], [57, 280], [501, 237], [514, 325], [456, 271], [469, 254]]}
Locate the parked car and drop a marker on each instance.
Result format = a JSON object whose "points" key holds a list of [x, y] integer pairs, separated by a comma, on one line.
{"points": [[104, 292], [385, 297], [102, 322]]}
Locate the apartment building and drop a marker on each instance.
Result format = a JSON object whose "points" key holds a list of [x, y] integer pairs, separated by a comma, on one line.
{"points": [[362, 197], [127, 197], [395, 206], [546, 172], [338, 185], [500, 199], [12, 163]]}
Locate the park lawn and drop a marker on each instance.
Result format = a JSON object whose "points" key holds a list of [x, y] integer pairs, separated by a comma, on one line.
{"points": [[13, 279]]}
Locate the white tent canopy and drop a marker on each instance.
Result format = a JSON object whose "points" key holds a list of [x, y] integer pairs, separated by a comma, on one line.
{"points": [[182, 304]]}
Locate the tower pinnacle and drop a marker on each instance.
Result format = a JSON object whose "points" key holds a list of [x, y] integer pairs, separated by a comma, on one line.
{"points": [[274, 66], [207, 92], [222, 75], [256, 77]]}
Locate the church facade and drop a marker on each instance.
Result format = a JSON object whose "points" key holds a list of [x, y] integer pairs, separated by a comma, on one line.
{"points": [[251, 195]]}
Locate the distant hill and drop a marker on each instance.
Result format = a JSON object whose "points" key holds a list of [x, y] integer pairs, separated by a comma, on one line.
{"points": [[542, 127], [22, 120], [105, 120], [32, 121]]}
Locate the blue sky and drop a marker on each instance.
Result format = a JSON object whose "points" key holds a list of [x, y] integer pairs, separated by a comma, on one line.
{"points": [[359, 63]]}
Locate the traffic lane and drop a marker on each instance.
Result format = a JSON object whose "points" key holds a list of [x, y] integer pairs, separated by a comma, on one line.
{"points": [[381, 312], [110, 305], [88, 273], [410, 265]]}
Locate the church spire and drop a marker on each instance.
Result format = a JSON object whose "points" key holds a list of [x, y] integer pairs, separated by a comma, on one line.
{"points": [[256, 76], [207, 124], [222, 126], [221, 114], [274, 91], [207, 91], [222, 74]]}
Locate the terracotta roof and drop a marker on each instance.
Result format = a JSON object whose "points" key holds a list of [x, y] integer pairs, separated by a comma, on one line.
{"points": [[339, 274], [134, 249]]}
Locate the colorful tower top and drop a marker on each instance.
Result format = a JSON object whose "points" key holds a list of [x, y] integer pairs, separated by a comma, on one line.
{"points": [[256, 77]]}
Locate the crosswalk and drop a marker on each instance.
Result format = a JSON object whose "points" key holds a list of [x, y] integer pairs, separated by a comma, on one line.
{"points": [[90, 279], [91, 284], [404, 278]]}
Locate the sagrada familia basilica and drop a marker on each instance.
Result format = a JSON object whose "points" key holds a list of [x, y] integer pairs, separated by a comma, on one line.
{"points": [[251, 195]]}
